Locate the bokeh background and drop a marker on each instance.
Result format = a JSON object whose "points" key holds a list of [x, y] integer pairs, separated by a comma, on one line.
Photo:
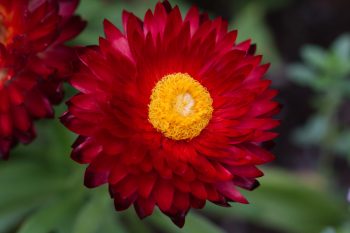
{"points": [[305, 190]]}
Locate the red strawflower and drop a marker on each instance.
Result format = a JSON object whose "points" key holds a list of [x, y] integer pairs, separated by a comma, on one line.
{"points": [[33, 63], [172, 113]]}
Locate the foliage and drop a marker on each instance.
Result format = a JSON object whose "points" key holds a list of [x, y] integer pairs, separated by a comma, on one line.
{"points": [[261, 35], [91, 10], [326, 73], [285, 199]]}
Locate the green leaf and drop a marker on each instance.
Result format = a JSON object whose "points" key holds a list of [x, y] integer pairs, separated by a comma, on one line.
{"points": [[313, 132], [314, 56], [92, 214], [96, 11], [25, 180], [113, 224], [345, 228], [200, 224], [301, 74], [341, 47], [257, 29], [195, 223], [329, 230], [342, 145], [345, 87], [290, 203], [12, 213], [133, 223], [52, 215]]}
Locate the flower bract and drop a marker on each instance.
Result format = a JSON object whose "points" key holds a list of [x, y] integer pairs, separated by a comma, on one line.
{"points": [[172, 113]]}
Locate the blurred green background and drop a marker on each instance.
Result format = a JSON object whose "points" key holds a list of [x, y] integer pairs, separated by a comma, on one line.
{"points": [[304, 191]]}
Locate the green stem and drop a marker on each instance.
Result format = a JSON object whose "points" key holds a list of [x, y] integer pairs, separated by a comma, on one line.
{"points": [[333, 99]]}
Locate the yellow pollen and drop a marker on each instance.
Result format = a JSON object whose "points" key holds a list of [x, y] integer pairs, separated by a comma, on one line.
{"points": [[180, 107]]}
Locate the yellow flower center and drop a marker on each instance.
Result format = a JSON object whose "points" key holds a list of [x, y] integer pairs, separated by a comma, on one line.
{"points": [[180, 106]]}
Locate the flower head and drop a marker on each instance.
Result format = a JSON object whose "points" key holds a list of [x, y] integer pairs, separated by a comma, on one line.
{"points": [[33, 63], [171, 113]]}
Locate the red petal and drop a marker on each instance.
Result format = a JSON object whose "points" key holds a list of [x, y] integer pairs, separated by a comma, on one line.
{"points": [[245, 171], [144, 207], [5, 125], [193, 17], [98, 171], [229, 190], [121, 203], [246, 183], [21, 118], [198, 190], [181, 201], [146, 185], [164, 194]]}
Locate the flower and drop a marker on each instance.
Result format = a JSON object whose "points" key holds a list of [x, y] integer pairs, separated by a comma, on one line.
{"points": [[172, 113], [33, 63]]}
